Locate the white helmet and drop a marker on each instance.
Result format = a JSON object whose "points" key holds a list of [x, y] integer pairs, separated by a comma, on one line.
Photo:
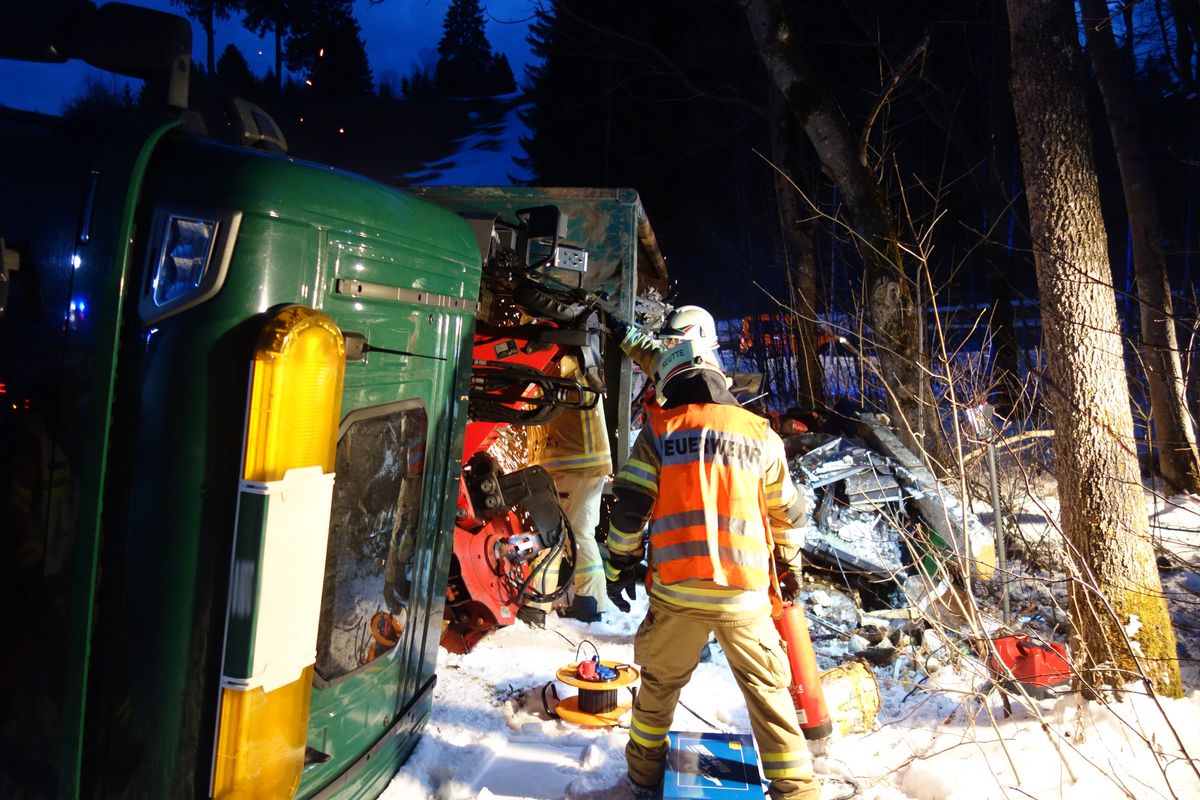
{"points": [[687, 356], [690, 323]]}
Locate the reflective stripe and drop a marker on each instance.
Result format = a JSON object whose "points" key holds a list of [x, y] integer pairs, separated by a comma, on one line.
{"points": [[589, 438], [647, 735], [651, 486], [705, 599], [641, 474], [789, 537], [728, 555], [594, 460], [795, 764], [687, 519], [622, 542]]}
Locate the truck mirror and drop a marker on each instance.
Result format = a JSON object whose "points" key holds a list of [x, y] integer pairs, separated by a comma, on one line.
{"points": [[135, 41], [120, 38], [48, 31]]}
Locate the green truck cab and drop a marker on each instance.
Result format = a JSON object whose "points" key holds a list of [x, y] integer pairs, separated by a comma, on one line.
{"points": [[234, 393]]}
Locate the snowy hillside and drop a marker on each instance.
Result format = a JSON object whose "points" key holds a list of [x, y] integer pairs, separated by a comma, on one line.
{"points": [[486, 156]]}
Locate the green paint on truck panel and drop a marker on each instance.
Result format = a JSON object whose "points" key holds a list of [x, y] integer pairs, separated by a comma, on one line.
{"points": [[139, 706], [121, 165], [419, 245], [191, 421]]}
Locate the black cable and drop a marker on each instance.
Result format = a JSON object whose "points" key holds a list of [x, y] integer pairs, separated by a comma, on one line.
{"points": [[370, 348], [702, 719], [526, 592]]}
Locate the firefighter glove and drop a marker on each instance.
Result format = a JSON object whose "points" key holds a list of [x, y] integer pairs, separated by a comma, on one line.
{"points": [[791, 578], [621, 576], [624, 583], [618, 326]]}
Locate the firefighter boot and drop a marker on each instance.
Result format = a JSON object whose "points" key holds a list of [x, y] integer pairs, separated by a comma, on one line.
{"points": [[582, 608], [534, 617]]}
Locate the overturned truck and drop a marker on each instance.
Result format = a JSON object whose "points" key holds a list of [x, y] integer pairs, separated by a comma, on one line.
{"points": [[239, 391]]}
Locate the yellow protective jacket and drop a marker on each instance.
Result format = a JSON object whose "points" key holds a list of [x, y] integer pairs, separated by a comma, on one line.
{"points": [[575, 441]]}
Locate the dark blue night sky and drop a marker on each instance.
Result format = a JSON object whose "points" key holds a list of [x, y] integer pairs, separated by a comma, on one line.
{"points": [[398, 34]]}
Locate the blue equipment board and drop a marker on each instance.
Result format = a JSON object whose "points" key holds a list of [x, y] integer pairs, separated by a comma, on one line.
{"points": [[712, 766]]}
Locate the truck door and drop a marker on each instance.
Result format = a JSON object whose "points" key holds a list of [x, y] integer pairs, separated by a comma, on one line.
{"points": [[389, 543]]}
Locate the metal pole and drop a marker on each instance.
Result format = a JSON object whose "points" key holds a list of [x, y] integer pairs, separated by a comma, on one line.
{"points": [[998, 526]]}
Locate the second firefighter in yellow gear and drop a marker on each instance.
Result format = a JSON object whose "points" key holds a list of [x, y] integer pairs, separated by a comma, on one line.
{"points": [[574, 449]]}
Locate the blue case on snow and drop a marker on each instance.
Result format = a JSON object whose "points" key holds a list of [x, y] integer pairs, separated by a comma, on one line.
{"points": [[712, 766]]}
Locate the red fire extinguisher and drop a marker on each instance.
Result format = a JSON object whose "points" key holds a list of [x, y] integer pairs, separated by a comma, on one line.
{"points": [[806, 682]]}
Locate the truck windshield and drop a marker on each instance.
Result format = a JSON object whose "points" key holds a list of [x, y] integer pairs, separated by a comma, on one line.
{"points": [[372, 535]]}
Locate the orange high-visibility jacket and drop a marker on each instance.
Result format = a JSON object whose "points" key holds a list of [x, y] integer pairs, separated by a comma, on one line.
{"points": [[710, 518]]}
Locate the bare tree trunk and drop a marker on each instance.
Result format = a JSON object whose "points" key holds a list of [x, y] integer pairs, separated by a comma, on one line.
{"points": [[1178, 459], [1115, 589], [800, 253], [894, 322], [996, 196], [209, 24], [278, 57]]}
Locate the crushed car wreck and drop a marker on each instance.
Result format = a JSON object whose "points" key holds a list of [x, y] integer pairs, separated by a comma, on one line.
{"points": [[878, 515]]}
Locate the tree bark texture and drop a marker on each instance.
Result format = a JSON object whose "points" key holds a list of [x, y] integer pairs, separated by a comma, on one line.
{"points": [[1115, 594], [895, 326], [1174, 435], [799, 254]]}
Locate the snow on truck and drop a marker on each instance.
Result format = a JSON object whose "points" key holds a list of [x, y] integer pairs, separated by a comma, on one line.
{"points": [[246, 407]]}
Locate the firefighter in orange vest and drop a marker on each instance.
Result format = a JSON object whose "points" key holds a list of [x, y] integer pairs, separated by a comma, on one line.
{"points": [[711, 480]]}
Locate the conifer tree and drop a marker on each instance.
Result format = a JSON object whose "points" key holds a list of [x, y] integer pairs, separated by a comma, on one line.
{"points": [[207, 12], [270, 15], [233, 73], [466, 64], [326, 47]]}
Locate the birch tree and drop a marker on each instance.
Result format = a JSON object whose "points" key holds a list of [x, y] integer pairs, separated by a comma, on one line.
{"points": [[894, 320]]}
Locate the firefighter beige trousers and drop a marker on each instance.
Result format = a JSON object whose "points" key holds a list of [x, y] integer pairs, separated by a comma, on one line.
{"points": [[580, 493], [668, 647]]}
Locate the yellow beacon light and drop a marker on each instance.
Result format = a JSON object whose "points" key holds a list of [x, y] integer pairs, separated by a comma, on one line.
{"points": [[278, 562], [295, 393]]}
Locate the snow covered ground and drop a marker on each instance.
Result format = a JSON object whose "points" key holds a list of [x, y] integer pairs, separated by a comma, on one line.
{"points": [[934, 738]]}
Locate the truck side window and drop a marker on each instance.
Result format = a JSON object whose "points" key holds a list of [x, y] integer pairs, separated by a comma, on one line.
{"points": [[372, 536]]}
